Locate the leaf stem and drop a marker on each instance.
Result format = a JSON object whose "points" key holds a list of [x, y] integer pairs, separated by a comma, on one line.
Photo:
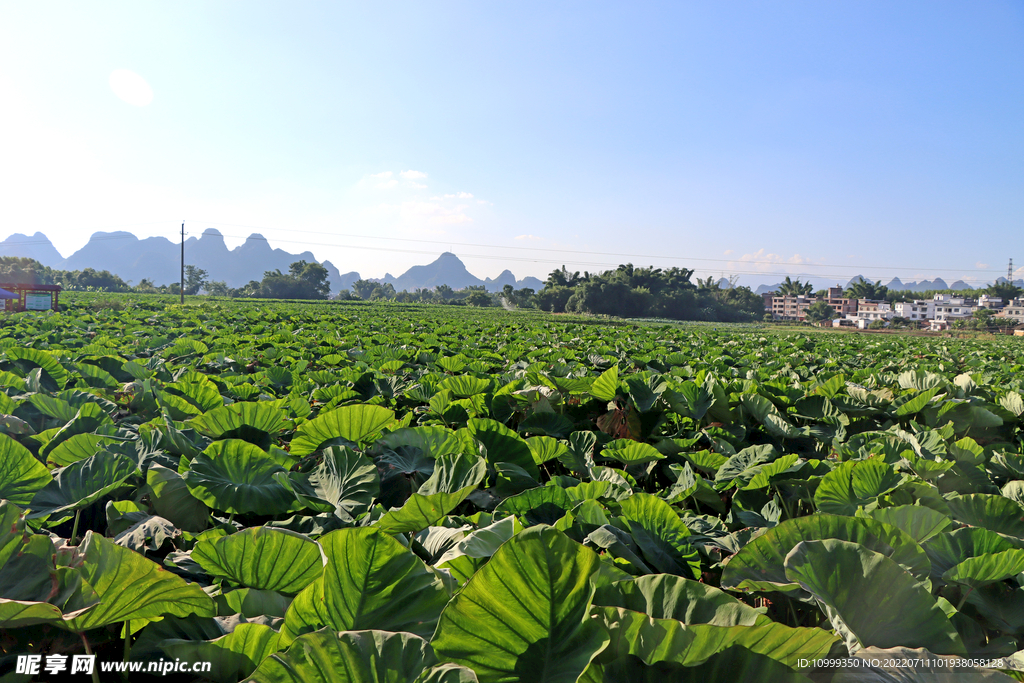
{"points": [[88, 651], [964, 599], [74, 531]]}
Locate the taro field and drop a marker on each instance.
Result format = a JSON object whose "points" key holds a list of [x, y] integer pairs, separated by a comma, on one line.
{"points": [[385, 494]]}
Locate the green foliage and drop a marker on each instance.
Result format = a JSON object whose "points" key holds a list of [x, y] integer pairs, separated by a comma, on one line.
{"points": [[393, 492]]}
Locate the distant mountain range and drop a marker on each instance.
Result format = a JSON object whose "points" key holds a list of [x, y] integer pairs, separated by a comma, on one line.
{"points": [[896, 284], [157, 259]]}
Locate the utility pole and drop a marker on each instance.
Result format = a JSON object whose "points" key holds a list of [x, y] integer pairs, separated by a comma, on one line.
{"points": [[1009, 272], [181, 287]]}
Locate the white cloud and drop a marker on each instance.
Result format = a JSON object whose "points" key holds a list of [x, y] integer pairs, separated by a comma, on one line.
{"points": [[764, 262], [382, 174], [979, 264], [412, 175], [459, 195], [418, 186], [729, 252], [529, 237]]}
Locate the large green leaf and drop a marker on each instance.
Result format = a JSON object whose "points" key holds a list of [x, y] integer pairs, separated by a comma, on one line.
{"points": [[950, 549], [503, 445], [655, 640], [131, 587], [29, 357], [89, 418], [237, 477], [852, 584], [81, 483], [232, 656], [992, 512], [606, 386], [346, 479], [352, 423], [662, 536], [760, 564], [354, 656], [989, 568], [919, 522], [21, 475], [229, 421], [855, 484], [263, 558], [665, 596], [631, 452], [534, 596], [371, 581], [735, 664], [172, 499], [421, 511]]}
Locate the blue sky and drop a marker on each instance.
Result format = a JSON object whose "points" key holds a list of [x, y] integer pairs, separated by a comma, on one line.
{"points": [[832, 138]]}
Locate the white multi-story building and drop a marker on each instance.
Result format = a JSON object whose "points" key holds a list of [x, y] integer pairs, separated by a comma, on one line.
{"points": [[918, 310], [1014, 309], [949, 307]]}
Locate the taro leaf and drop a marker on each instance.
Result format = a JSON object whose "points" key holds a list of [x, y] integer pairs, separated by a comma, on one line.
{"points": [[668, 640], [21, 475], [431, 441], [233, 656], [544, 448], [484, 542], [989, 568], [258, 420], [371, 580], [172, 499], [150, 533], [88, 419], [453, 473], [851, 582], [349, 657], [534, 595], [346, 479], [950, 549], [760, 565], [546, 424], [355, 424], [1013, 402], [448, 673], [237, 477], [912, 406], [14, 425], [605, 387], [131, 587], [541, 505], [661, 535], [580, 456], [690, 400], [81, 483], [421, 511], [78, 447], [919, 522], [27, 358], [992, 512], [855, 484], [262, 557], [503, 445], [664, 596], [252, 602], [465, 386], [742, 467], [631, 452]]}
